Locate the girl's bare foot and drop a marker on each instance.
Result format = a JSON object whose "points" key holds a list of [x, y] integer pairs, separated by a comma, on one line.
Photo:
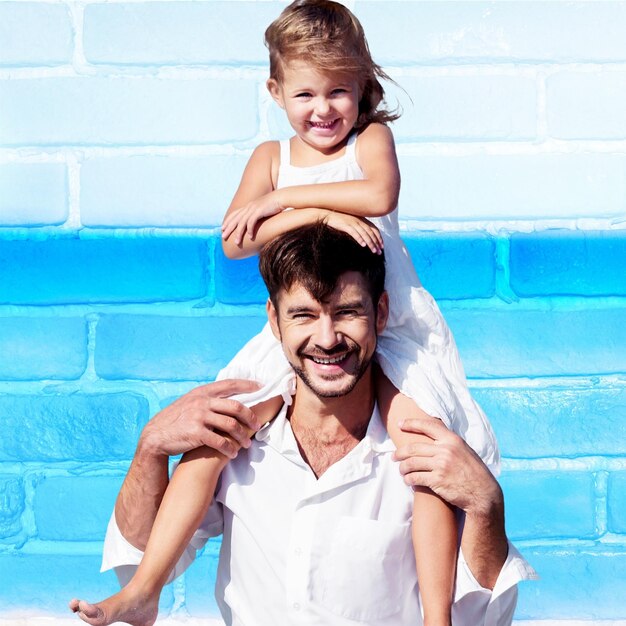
{"points": [[125, 606]]}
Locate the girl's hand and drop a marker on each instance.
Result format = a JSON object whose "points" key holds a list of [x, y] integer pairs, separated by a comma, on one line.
{"points": [[244, 220], [360, 229]]}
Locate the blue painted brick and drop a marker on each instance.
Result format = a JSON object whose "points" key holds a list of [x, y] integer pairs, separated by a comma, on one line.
{"points": [[466, 32], [177, 33], [158, 191], [450, 266], [540, 343], [46, 582], [238, 281], [617, 502], [33, 194], [11, 505], [75, 508], [150, 347], [126, 110], [582, 105], [454, 265], [40, 348], [35, 33], [102, 270], [465, 108], [557, 422], [85, 427], [512, 186], [549, 505], [34, 583], [200, 581], [583, 584], [565, 262]]}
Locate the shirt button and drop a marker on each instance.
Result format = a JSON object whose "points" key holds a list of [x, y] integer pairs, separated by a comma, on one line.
{"points": [[296, 606]]}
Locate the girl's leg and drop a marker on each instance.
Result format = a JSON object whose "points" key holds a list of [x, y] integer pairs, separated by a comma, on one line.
{"points": [[182, 509], [434, 527]]}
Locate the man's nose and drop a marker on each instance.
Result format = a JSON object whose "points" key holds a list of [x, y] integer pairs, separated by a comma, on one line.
{"points": [[327, 335]]}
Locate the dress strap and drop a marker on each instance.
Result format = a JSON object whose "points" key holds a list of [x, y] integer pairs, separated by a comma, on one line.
{"points": [[351, 146], [285, 152]]}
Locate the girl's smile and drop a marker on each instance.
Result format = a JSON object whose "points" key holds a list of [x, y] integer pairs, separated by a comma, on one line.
{"points": [[322, 108]]}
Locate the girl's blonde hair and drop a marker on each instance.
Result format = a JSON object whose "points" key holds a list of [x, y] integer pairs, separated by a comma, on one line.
{"points": [[328, 36]]}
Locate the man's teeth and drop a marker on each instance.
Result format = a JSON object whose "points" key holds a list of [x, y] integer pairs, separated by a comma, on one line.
{"points": [[328, 361]]}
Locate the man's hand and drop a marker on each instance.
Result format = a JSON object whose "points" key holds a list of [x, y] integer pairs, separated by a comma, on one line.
{"points": [[450, 468], [202, 417], [447, 466]]}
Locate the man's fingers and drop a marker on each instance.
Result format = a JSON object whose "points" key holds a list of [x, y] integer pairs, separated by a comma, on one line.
{"points": [[429, 426], [226, 408], [228, 387], [417, 449], [222, 444]]}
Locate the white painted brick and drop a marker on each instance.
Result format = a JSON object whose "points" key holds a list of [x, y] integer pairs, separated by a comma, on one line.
{"points": [[503, 186], [132, 111], [158, 191], [32, 194], [177, 32], [465, 108], [35, 33], [583, 105], [460, 32]]}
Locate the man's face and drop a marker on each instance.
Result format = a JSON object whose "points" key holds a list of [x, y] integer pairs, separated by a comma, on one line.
{"points": [[329, 344]]}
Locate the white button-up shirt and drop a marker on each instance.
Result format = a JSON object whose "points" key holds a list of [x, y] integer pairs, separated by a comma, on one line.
{"points": [[333, 551]]}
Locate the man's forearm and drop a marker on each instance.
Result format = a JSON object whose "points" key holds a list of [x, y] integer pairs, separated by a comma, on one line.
{"points": [[141, 494], [484, 542]]}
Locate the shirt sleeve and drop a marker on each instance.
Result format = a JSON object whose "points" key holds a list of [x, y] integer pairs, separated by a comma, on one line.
{"points": [[475, 605], [123, 557]]}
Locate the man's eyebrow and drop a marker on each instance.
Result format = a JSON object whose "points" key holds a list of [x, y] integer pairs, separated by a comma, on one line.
{"points": [[294, 310], [351, 304]]}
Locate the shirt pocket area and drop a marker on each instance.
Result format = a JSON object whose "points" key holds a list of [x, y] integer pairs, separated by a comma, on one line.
{"points": [[366, 568]]}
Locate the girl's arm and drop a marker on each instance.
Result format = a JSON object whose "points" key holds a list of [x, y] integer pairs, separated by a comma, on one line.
{"points": [[257, 179], [434, 527], [376, 195]]}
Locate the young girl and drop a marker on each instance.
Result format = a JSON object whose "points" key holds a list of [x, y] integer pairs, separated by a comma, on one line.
{"points": [[341, 167]]}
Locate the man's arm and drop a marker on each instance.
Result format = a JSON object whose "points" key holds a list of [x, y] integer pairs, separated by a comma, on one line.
{"points": [[449, 467], [203, 417]]}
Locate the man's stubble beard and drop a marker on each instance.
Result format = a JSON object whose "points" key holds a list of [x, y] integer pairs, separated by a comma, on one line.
{"points": [[320, 393]]}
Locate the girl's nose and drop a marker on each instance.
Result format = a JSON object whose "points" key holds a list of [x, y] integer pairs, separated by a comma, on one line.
{"points": [[322, 106]]}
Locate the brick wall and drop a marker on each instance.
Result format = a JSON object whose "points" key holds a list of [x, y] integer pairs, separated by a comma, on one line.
{"points": [[124, 128]]}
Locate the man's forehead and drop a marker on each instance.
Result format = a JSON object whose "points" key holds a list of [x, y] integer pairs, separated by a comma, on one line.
{"points": [[351, 286]]}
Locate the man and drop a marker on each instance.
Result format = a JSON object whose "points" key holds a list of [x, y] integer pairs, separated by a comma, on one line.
{"points": [[315, 518]]}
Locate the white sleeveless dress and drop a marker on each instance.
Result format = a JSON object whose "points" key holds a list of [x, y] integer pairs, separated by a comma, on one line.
{"points": [[416, 350]]}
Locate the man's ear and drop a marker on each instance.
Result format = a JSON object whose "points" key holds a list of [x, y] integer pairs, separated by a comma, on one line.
{"points": [[275, 91], [382, 312], [272, 316]]}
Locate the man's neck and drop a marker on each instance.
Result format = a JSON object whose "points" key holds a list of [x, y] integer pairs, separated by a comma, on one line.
{"points": [[326, 429]]}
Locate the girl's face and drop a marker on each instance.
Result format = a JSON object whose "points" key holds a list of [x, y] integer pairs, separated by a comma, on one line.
{"points": [[321, 108]]}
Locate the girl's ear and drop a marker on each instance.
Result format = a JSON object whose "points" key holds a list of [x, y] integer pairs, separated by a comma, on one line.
{"points": [[275, 91]]}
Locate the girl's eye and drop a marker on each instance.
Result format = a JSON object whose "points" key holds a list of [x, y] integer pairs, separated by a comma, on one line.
{"points": [[304, 94], [340, 91]]}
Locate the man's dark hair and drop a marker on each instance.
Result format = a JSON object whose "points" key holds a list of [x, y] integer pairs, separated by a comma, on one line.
{"points": [[315, 256]]}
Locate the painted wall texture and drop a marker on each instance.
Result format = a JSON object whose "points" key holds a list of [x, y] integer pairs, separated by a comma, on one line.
{"points": [[124, 128]]}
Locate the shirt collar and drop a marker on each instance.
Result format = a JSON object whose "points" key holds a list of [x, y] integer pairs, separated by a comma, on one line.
{"points": [[279, 435]]}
